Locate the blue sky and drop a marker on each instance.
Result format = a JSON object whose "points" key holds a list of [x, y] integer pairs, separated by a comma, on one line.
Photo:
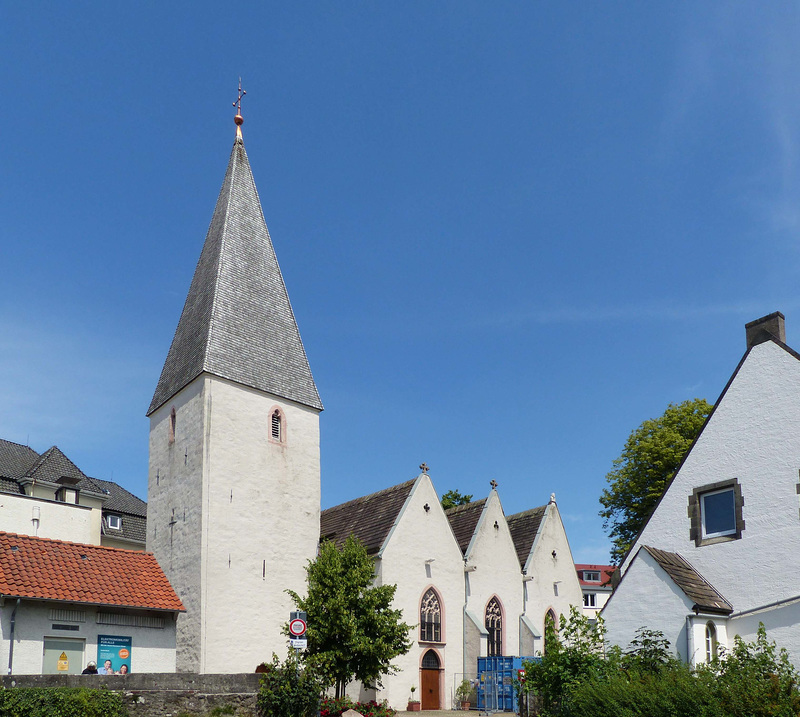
{"points": [[511, 231]]}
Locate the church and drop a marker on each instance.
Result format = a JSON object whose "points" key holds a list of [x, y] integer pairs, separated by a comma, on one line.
{"points": [[233, 512], [234, 492]]}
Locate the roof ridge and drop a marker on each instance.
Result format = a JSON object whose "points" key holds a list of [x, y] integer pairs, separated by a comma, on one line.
{"points": [[370, 495], [39, 462], [38, 539], [526, 513], [21, 445]]}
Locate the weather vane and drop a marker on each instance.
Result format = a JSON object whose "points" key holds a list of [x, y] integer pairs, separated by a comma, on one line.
{"points": [[238, 105]]}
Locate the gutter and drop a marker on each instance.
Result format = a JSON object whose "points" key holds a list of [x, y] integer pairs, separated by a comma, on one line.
{"points": [[13, 625]]}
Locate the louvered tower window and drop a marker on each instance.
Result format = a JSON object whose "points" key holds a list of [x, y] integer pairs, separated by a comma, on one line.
{"points": [[173, 425], [494, 626], [430, 618], [277, 426]]}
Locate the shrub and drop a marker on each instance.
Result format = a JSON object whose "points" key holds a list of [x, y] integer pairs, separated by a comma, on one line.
{"points": [[60, 702], [289, 689], [332, 707]]}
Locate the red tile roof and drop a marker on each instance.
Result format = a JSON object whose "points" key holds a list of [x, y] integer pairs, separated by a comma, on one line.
{"points": [[606, 571], [42, 569]]}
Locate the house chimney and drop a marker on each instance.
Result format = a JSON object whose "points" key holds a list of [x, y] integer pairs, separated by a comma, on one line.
{"points": [[766, 328]]}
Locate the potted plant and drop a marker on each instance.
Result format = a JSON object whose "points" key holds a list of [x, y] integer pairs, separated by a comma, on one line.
{"points": [[413, 704], [463, 692]]}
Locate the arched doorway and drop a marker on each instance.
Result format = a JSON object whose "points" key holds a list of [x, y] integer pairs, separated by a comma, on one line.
{"points": [[430, 670]]}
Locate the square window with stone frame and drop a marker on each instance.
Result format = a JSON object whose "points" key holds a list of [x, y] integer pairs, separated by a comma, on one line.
{"points": [[715, 513]]}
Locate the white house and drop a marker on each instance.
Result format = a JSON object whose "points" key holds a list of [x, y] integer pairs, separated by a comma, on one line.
{"points": [[721, 551], [595, 583], [63, 604], [48, 496]]}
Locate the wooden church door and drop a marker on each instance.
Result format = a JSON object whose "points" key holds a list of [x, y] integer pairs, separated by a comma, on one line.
{"points": [[429, 681]]}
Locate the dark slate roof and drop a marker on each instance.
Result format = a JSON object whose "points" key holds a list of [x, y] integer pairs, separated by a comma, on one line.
{"points": [[15, 461], [18, 462], [134, 527], [237, 322], [53, 464], [131, 509], [463, 520], [694, 585], [369, 518], [121, 500], [524, 528]]}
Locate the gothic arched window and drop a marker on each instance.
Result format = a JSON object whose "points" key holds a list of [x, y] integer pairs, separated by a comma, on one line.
{"points": [[430, 617], [494, 626], [550, 628], [711, 641]]}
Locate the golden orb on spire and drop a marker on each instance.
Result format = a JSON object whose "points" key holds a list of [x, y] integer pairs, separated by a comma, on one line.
{"points": [[238, 105]]}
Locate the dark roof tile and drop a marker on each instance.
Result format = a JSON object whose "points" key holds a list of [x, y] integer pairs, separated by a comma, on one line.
{"points": [[463, 520], [369, 518], [695, 586], [524, 528]]}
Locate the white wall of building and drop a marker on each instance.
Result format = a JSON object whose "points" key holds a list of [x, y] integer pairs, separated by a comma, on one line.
{"points": [[56, 520], [247, 518], [647, 597], [152, 649], [421, 536], [555, 583], [754, 436]]}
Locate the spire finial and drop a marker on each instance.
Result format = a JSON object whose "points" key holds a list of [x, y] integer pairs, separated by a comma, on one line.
{"points": [[238, 105]]}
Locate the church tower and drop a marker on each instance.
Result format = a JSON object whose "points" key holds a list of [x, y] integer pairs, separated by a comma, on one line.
{"points": [[234, 477]]}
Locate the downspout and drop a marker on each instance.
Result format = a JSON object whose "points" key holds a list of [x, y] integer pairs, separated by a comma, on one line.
{"points": [[464, 624], [689, 641], [13, 625]]}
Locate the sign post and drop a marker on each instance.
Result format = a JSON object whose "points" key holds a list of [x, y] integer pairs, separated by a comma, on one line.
{"points": [[297, 629]]}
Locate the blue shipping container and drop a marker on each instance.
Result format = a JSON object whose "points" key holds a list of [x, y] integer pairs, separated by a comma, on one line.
{"points": [[496, 676]]}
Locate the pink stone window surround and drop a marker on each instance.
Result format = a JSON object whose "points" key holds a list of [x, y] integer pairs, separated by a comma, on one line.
{"points": [[493, 620], [431, 617], [276, 430]]}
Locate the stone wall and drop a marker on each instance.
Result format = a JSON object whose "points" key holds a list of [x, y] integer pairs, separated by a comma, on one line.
{"points": [[162, 695]]}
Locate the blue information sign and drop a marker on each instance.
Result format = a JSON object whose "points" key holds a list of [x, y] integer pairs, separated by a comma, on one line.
{"points": [[116, 650]]}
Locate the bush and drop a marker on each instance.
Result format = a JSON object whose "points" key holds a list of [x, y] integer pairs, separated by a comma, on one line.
{"points": [[332, 707], [288, 689], [60, 702]]}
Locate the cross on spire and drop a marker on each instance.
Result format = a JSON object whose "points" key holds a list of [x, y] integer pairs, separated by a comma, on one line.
{"points": [[424, 467], [493, 483], [238, 105]]}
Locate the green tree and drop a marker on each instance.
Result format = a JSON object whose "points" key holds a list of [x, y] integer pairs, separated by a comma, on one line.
{"points": [[645, 468], [289, 689], [353, 632], [453, 498]]}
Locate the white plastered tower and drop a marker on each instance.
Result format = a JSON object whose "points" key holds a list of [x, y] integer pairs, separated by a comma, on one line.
{"points": [[234, 477]]}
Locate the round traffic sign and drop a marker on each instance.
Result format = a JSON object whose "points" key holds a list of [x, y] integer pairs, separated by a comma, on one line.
{"points": [[297, 627]]}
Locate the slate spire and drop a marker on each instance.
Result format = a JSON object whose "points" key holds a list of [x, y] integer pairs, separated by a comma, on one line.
{"points": [[237, 322]]}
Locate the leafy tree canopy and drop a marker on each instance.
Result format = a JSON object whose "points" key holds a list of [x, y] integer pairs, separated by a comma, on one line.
{"points": [[453, 498], [353, 632], [645, 468]]}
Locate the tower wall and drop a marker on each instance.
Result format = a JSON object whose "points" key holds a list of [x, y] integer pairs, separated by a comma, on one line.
{"points": [[174, 509], [251, 507]]}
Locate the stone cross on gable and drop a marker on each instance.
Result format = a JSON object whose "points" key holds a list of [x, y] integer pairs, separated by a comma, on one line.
{"points": [[493, 483], [424, 467]]}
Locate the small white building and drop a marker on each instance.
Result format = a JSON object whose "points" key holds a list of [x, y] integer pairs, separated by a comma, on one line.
{"points": [[721, 551], [63, 604]]}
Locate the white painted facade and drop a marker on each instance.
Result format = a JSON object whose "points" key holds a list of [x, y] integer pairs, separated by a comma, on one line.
{"points": [[492, 570], [44, 517], [233, 517], [753, 437], [550, 581], [419, 553], [152, 648]]}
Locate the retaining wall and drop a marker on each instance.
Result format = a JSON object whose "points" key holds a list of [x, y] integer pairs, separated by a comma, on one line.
{"points": [[162, 695]]}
